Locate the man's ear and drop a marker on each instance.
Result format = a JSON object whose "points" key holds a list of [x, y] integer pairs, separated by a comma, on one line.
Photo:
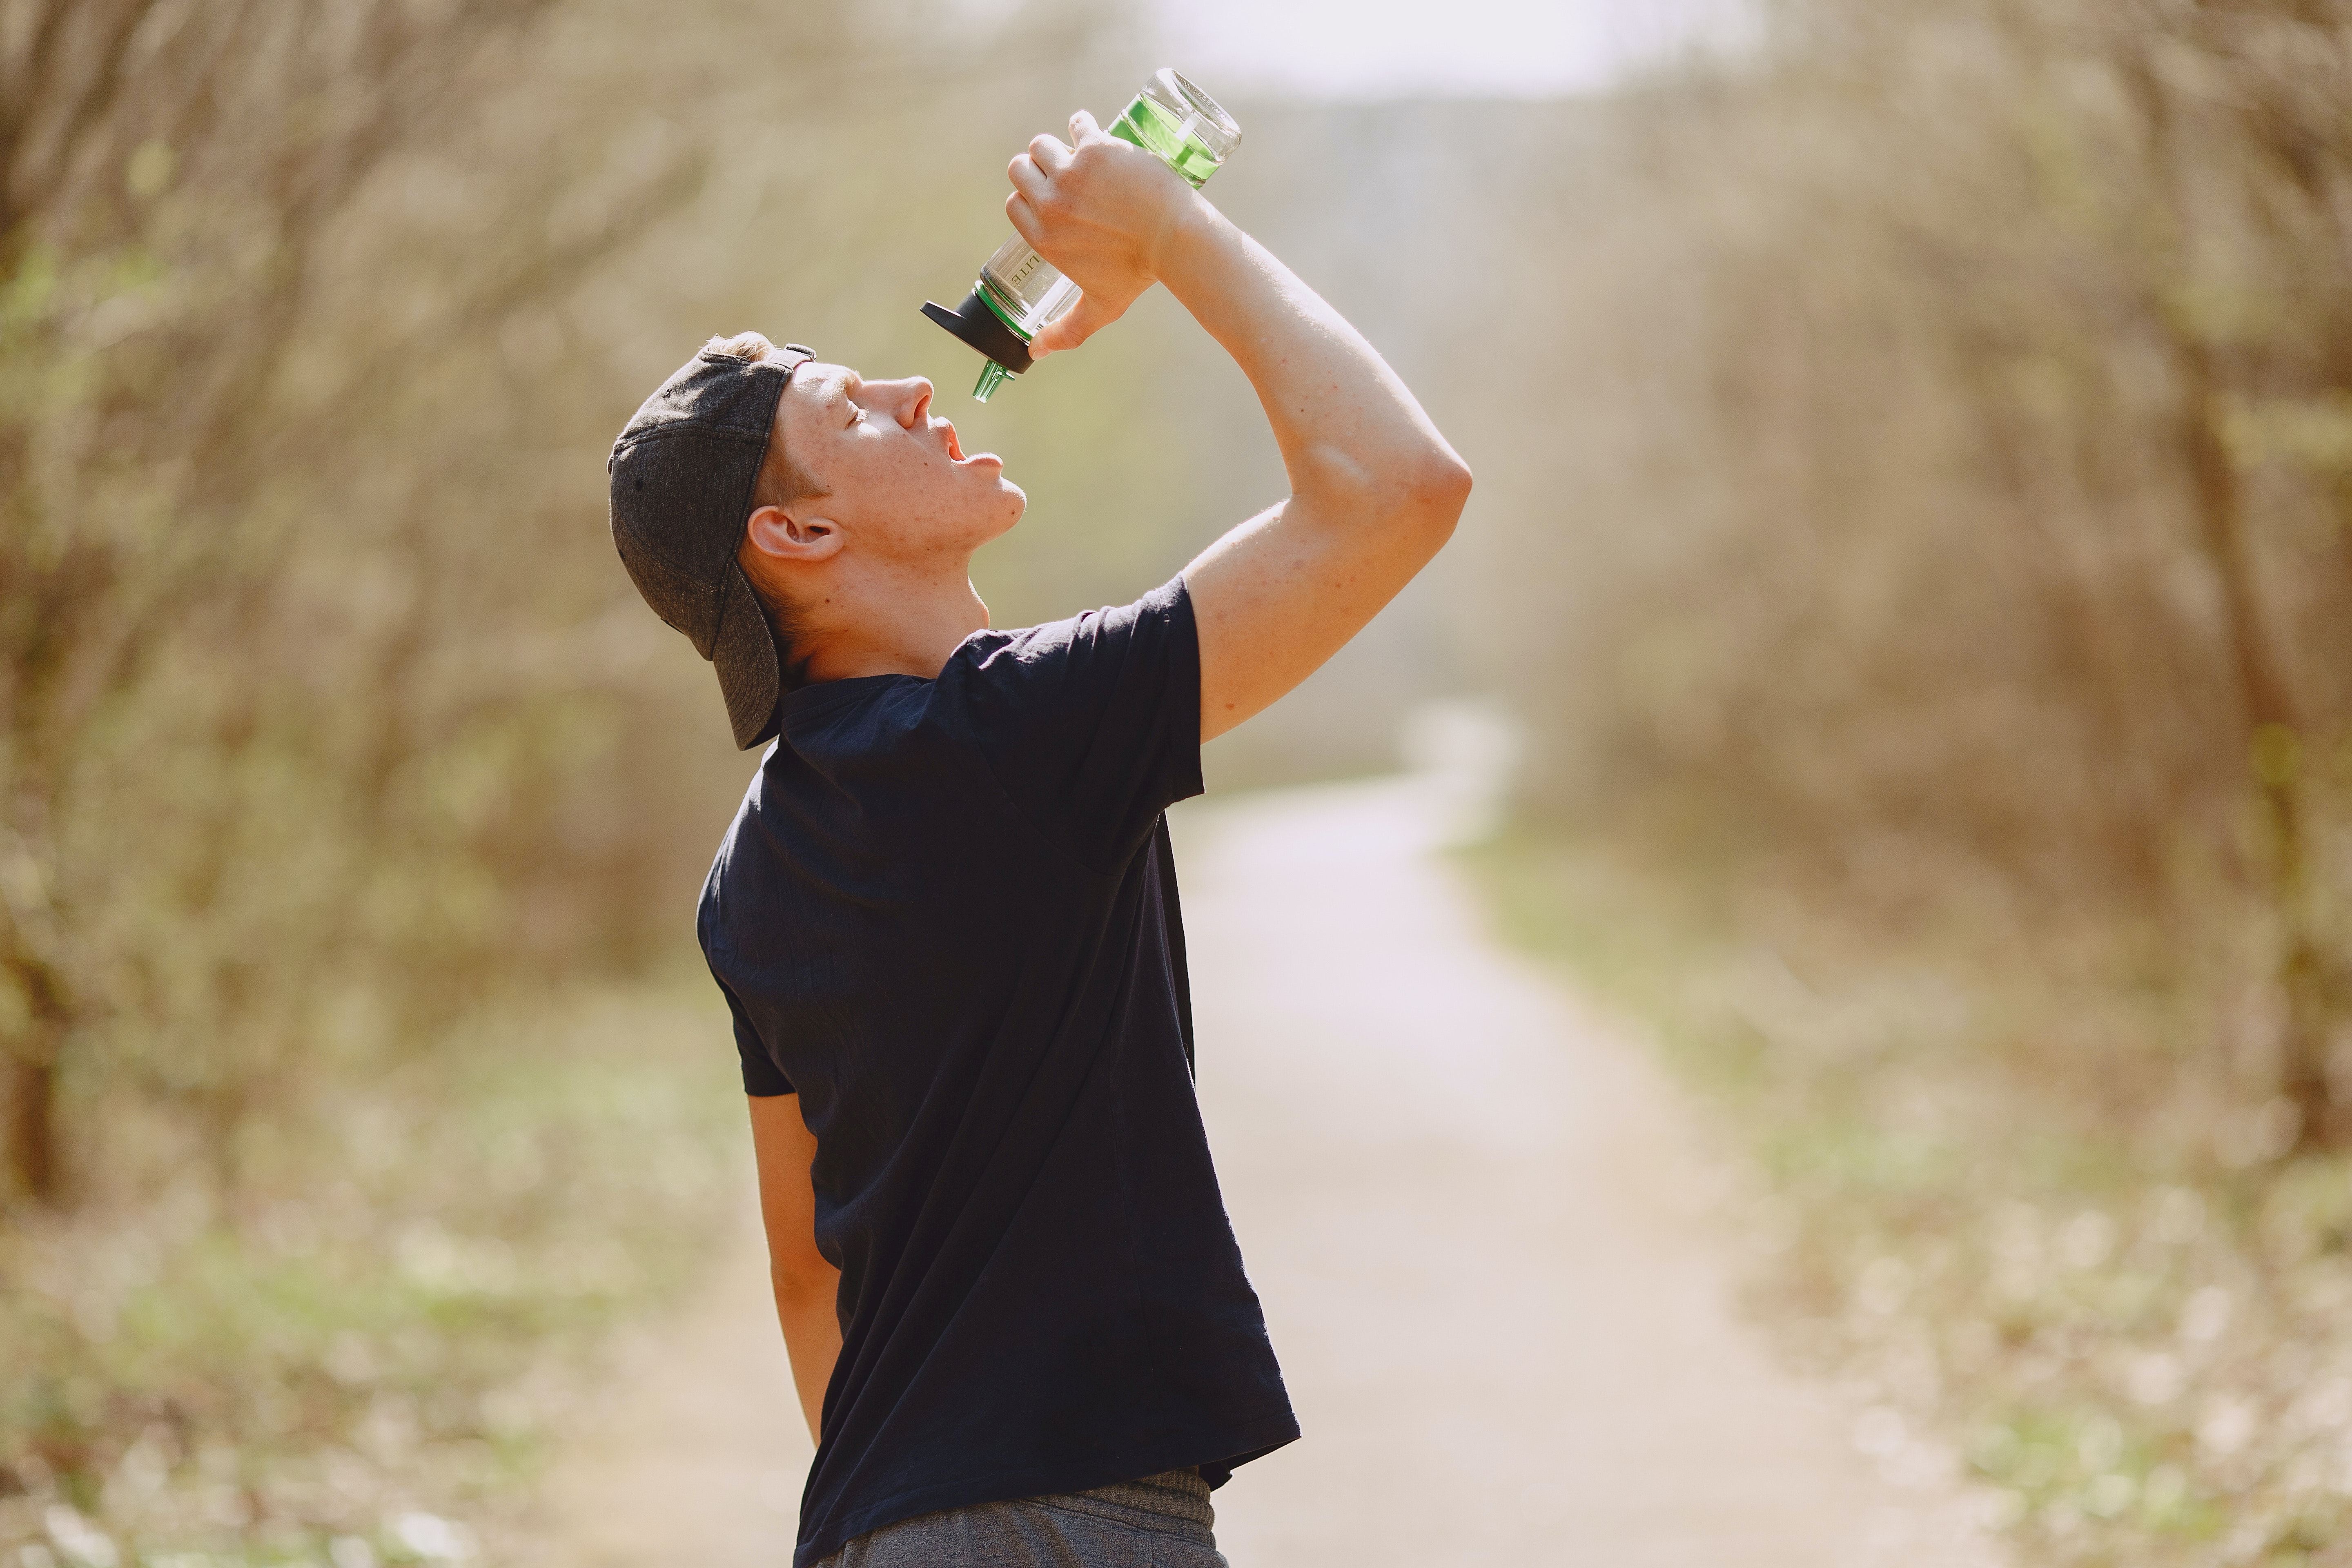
{"points": [[775, 533]]}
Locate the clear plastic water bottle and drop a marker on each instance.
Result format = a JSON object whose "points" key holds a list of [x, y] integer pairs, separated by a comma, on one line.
{"points": [[1018, 294]]}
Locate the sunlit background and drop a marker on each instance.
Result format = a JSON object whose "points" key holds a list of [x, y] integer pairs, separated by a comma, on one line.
{"points": [[1907, 608], [1326, 50]]}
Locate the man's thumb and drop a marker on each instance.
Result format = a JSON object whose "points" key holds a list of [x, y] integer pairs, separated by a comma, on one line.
{"points": [[1081, 321]]}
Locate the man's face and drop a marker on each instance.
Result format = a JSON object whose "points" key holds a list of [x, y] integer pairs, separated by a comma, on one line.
{"points": [[898, 486]]}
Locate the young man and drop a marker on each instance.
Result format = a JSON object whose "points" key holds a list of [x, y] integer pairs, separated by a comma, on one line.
{"points": [[945, 917]]}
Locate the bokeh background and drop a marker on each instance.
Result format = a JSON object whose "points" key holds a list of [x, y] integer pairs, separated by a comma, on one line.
{"points": [[1913, 536]]}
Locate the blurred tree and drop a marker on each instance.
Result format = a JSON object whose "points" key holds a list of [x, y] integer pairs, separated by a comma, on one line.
{"points": [[166, 174], [2247, 131], [1977, 376], [292, 710]]}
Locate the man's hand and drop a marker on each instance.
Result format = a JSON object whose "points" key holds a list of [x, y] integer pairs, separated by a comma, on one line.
{"points": [[1104, 212]]}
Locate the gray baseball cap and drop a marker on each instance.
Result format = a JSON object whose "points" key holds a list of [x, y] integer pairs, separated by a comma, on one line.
{"points": [[683, 472]]}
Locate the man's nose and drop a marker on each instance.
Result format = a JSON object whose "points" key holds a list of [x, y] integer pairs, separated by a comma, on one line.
{"points": [[914, 395]]}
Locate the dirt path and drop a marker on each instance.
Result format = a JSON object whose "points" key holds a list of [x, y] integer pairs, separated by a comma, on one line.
{"points": [[1481, 1230]]}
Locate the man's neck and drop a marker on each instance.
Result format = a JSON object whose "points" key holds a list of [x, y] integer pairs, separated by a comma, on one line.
{"points": [[892, 628]]}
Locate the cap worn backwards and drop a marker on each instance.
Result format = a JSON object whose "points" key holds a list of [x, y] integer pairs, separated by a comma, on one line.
{"points": [[683, 473]]}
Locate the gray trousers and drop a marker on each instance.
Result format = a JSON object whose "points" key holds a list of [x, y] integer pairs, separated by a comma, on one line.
{"points": [[1162, 1521]]}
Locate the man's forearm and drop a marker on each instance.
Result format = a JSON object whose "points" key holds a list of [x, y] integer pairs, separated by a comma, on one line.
{"points": [[811, 1342], [1374, 488], [1347, 426]]}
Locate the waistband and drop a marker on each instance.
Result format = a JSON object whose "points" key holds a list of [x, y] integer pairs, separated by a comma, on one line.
{"points": [[1174, 1503]]}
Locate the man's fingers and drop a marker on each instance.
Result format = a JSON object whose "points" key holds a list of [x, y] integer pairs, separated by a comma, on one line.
{"points": [[1085, 318], [1050, 153], [1023, 217], [1082, 126], [1027, 177]]}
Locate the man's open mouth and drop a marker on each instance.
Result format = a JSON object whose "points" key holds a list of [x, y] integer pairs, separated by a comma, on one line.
{"points": [[954, 450]]}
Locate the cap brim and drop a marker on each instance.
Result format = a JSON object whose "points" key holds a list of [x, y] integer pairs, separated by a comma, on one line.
{"points": [[751, 677]]}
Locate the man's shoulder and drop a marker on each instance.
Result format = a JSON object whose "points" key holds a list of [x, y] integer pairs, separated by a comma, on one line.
{"points": [[868, 770], [998, 658], [710, 911]]}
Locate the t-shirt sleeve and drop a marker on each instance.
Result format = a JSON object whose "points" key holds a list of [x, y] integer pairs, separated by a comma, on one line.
{"points": [[762, 1079], [1093, 725]]}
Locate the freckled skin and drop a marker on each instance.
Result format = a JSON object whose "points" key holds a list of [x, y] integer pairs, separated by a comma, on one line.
{"points": [[877, 563], [890, 464]]}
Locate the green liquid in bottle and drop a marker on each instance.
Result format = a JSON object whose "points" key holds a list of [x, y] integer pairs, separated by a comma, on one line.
{"points": [[1174, 121], [1173, 141]]}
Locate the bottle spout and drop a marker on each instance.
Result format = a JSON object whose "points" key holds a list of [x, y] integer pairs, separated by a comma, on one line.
{"points": [[992, 376], [976, 324]]}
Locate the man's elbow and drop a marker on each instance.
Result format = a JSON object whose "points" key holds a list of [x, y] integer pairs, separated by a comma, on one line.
{"points": [[1438, 491], [1414, 492], [800, 1281]]}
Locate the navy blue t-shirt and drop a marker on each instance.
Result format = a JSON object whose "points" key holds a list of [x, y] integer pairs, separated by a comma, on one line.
{"points": [[946, 917]]}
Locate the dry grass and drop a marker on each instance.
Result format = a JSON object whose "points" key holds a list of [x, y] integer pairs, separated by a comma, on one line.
{"points": [[2010, 1210], [345, 1363]]}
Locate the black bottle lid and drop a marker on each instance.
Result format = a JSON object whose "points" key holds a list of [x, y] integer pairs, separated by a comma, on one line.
{"points": [[977, 325]]}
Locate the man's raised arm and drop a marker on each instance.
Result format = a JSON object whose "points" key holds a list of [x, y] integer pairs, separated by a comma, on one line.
{"points": [[1374, 488]]}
